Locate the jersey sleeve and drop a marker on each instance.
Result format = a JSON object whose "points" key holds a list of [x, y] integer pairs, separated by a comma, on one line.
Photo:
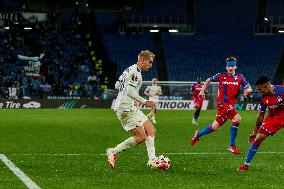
{"points": [[131, 92], [262, 107], [215, 78], [279, 93], [279, 90], [132, 84], [244, 82], [119, 85], [133, 79]]}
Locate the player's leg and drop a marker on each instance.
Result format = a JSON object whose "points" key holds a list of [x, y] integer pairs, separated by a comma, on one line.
{"points": [[150, 140], [130, 121], [234, 132], [196, 114], [198, 105], [260, 137], [208, 129], [138, 137], [153, 114], [150, 115], [270, 126], [221, 118]]}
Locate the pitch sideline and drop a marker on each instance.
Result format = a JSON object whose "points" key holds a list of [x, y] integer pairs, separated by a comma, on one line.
{"points": [[20, 174]]}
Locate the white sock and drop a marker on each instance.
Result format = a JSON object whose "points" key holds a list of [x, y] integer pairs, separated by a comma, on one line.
{"points": [[150, 145], [128, 143]]}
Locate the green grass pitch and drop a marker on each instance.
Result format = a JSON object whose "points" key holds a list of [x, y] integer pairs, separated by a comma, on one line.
{"points": [[65, 149]]}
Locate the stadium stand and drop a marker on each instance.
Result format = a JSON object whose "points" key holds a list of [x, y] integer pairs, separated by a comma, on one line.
{"points": [[66, 65], [123, 49], [69, 60], [153, 11], [219, 37], [205, 55]]}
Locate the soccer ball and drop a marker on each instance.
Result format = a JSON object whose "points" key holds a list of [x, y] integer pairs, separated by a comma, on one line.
{"points": [[161, 163]]}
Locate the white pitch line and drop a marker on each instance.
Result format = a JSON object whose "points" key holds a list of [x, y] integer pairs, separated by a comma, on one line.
{"points": [[20, 174], [215, 153], [169, 153]]}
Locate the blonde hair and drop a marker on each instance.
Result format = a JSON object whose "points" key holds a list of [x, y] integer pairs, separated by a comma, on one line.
{"points": [[231, 59], [146, 54]]}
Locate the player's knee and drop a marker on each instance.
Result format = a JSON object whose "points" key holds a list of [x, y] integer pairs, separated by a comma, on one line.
{"points": [[153, 132], [259, 139], [236, 124], [214, 126], [140, 139], [237, 120]]}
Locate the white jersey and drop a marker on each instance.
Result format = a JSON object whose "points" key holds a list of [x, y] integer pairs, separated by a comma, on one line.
{"points": [[154, 92], [128, 85]]}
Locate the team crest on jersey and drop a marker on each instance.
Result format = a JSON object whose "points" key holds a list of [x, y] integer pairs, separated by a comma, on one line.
{"points": [[280, 100], [134, 78]]}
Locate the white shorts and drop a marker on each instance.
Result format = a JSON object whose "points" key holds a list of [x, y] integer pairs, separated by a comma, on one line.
{"points": [[132, 119]]}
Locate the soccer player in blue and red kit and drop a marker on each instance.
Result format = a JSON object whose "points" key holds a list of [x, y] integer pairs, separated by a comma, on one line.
{"points": [[229, 84], [198, 101], [273, 100]]}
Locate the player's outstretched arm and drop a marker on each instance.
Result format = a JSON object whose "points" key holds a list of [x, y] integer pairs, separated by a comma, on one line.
{"points": [[258, 123], [204, 87]]}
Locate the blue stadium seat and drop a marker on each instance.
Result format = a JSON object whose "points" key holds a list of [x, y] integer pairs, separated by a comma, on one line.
{"points": [[123, 49]]}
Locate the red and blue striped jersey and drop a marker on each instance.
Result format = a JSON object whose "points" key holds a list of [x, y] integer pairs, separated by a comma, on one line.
{"points": [[229, 86], [274, 103]]}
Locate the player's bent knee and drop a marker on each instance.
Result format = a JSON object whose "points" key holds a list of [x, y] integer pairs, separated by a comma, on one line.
{"points": [[237, 119], [236, 123], [215, 126], [153, 132], [260, 136], [259, 139], [139, 139]]}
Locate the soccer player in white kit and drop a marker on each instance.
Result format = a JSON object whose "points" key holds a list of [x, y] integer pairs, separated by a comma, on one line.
{"points": [[153, 91], [131, 118]]}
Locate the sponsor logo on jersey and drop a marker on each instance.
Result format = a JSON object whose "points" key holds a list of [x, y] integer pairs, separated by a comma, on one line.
{"points": [[272, 106], [230, 83], [134, 78]]}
